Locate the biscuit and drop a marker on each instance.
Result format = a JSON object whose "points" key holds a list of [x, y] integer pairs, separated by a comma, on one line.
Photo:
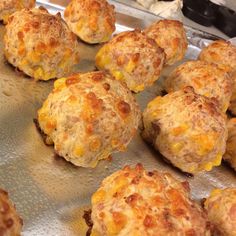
{"points": [[207, 79], [169, 35], [93, 21], [221, 209], [10, 6], [188, 129], [223, 52], [10, 222], [135, 202], [230, 154], [132, 57], [40, 44], [88, 117]]}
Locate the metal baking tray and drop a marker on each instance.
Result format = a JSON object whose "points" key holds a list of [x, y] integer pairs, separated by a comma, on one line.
{"points": [[51, 194]]}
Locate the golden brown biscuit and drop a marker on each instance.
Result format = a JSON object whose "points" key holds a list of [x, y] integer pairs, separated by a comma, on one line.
{"points": [[188, 129], [91, 20], [221, 209], [132, 57], [10, 222], [135, 202], [88, 117], [207, 79], [222, 52], [40, 44], [169, 35], [230, 154], [7, 7]]}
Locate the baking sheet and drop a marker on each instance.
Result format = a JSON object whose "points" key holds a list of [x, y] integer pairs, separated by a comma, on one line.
{"points": [[50, 194]]}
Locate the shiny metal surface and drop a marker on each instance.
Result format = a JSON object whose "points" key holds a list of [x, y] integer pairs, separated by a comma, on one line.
{"points": [[51, 194]]}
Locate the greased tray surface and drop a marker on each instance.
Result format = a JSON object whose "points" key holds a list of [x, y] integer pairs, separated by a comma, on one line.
{"points": [[50, 194]]}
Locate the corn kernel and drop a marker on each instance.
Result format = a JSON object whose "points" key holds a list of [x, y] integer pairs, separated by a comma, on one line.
{"points": [[63, 63], [215, 192], [179, 130], [139, 88], [118, 74], [205, 143], [38, 73], [121, 181], [24, 62], [191, 169], [50, 125], [49, 75], [60, 83], [92, 23], [197, 83], [34, 57], [155, 102], [79, 151], [117, 224], [106, 38], [207, 94], [208, 167], [98, 196], [79, 25], [130, 66], [176, 147], [225, 106], [155, 113], [101, 58], [21, 49], [218, 159]]}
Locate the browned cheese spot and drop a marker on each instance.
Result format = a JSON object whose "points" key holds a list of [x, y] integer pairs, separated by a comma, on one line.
{"points": [[148, 221], [135, 57], [53, 42], [89, 128], [98, 76], [132, 199], [191, 232], [157, 63], [41, 47], [94, 101], [9, 223], [20, 35], [106, 86], [124, 109], [35, 24], [4, 208], [72, 80]]}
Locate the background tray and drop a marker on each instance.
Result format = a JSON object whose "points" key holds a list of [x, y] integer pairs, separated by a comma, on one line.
{"points": [[50, 194]]}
